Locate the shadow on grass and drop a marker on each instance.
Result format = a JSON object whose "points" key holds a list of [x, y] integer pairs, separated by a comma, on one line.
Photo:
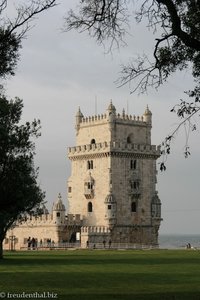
{"points": [[104, 275], [154, 296], [99, 282], [99, 257]]}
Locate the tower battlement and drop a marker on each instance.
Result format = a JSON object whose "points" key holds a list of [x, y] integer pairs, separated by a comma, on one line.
{"points": [[98, 119], [48, 219], [112, 116], [111, 126], [113, 147]]}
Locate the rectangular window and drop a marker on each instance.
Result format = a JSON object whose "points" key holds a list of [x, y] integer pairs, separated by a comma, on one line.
{"points": [[69, 189], [90, 164], [133, 207], [109, 206], [133, 164]]}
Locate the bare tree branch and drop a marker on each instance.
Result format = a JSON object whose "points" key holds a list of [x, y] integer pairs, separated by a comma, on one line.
{"points": [[103, 19], [26, 14], [185, 111], [12, 31], [3, 5]]}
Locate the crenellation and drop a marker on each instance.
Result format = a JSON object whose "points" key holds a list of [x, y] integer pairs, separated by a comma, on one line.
{"points": [[114, 146], [98, 119]]}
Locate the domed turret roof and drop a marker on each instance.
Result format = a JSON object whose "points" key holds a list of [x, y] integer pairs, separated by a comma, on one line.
{"points": [[58, 204], [111, 107], [79, 113], [147, 111]]}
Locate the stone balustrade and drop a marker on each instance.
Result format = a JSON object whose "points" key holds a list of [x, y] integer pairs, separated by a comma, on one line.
{"points": [[95, 229], [114, 146], [118, 117]]}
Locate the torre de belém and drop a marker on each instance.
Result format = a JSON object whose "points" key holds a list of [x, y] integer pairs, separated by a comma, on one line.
{"points": [[112, 192], [113, 178]]}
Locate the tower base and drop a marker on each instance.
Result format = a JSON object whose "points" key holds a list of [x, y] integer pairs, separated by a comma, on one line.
{"points": [[119, 236]]}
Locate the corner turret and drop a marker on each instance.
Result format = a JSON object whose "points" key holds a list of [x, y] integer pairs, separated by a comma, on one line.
{"points": [[59, 211], [147, 116], [111, 111], [79, 117]]}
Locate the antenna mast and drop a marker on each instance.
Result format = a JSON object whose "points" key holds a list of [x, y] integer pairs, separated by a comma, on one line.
{"points": [[95, 105]]}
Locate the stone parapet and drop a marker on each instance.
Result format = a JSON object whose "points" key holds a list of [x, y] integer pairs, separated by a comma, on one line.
{"points": [[113, 147], [47, 219], [99, 119]]}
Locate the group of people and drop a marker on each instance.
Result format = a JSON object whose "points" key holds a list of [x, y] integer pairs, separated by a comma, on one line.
{"points": [[188, 246], [32, 243], [104, 244], [109, 244]]}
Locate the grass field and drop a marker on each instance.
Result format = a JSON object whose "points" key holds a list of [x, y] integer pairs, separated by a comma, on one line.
{"points": [[94, 274]]}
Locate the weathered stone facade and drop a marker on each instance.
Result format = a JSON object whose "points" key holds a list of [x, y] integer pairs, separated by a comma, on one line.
{"points": [[113, 178], [111, 191], [48, 229]]}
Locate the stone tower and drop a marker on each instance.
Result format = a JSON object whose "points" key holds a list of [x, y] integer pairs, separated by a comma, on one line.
{"points": [[113, 178]]}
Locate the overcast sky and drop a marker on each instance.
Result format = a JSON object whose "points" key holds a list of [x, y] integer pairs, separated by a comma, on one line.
{"points": [[58, 72]]}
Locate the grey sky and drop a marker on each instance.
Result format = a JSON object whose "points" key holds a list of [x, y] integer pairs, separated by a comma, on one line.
{"points": [[59, 71]]}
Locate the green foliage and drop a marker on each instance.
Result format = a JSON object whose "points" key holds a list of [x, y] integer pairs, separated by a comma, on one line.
{"points": [[19, 190], [94, 274], [9, 52]]}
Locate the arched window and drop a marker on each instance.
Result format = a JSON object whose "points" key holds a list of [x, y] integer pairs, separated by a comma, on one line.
{"points": [[93, 141], [129, 138], [133, 206], [89, 206]]}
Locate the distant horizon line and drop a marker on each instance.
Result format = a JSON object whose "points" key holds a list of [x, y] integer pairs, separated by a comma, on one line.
{"points": [[183, 234]]}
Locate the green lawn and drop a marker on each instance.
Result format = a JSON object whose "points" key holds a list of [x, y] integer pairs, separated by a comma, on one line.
{"points": [[94, 274]]}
